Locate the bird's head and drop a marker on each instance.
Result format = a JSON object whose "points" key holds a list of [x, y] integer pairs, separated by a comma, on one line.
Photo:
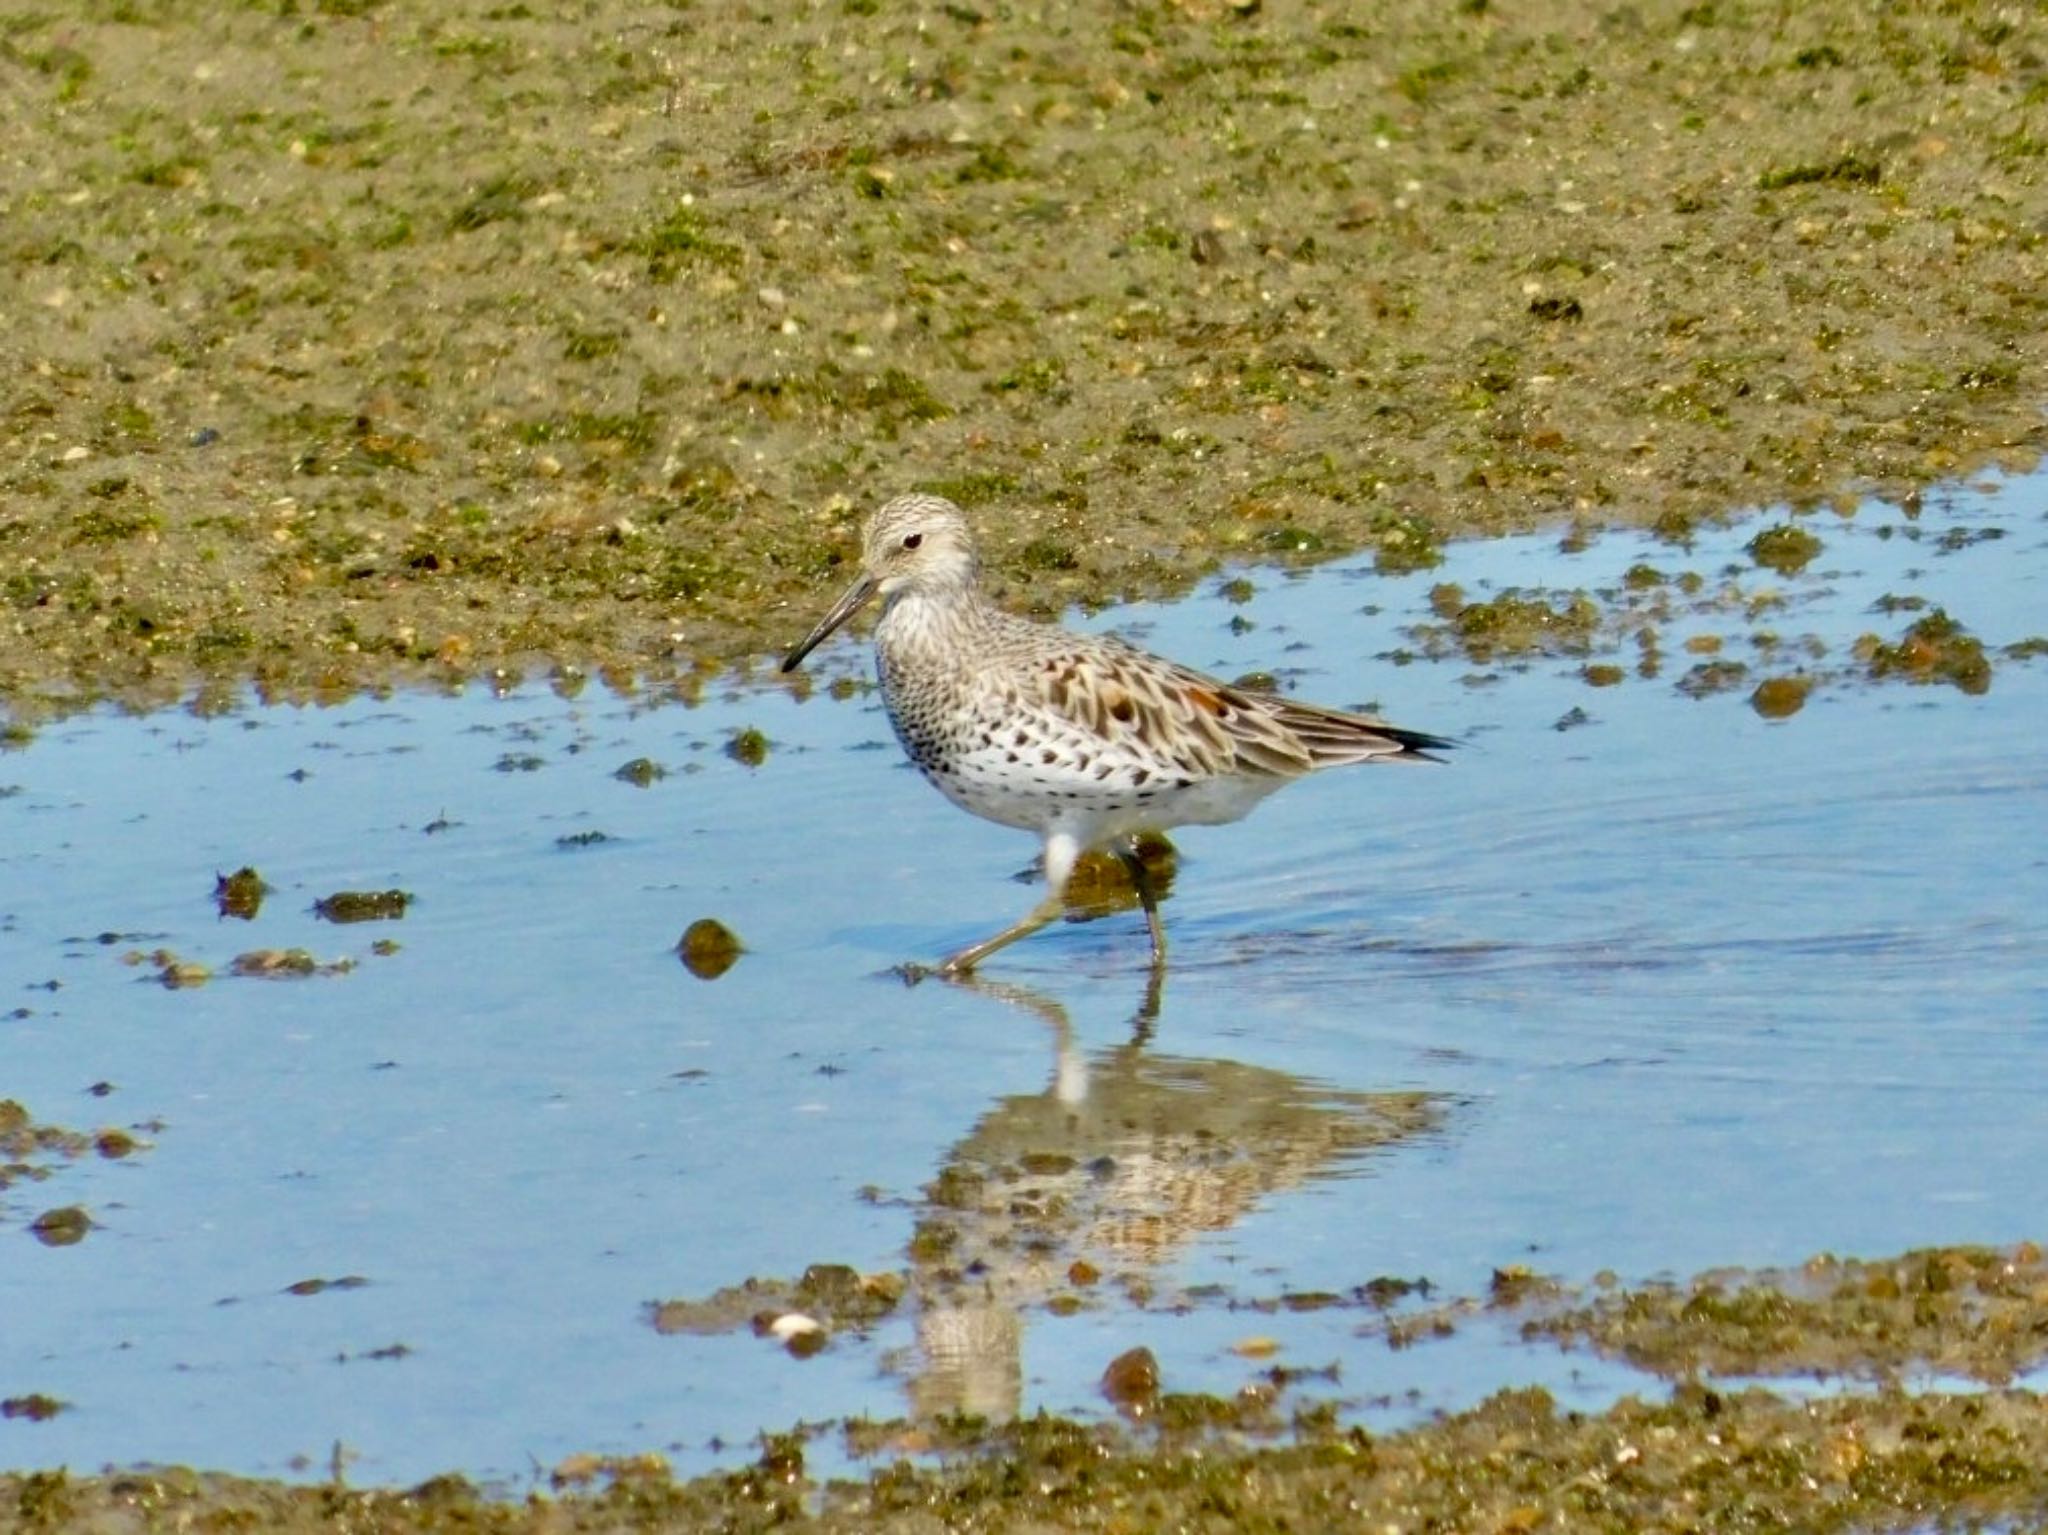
{"points": [[915, 543]]}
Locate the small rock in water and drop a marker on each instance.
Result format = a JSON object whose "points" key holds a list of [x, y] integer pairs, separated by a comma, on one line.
{"points": [[1132, 1380], [1777, 698], [62, 1227], [709, 948]]}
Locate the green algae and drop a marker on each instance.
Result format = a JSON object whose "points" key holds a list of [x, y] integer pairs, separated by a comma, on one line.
{"points": [[35, 1407], [346, 906], [748, 747], [1785, 548], [1970, 1311], [1515, 624], [240, 894], [1703, 1457], [1934, 649], [615, 390]]}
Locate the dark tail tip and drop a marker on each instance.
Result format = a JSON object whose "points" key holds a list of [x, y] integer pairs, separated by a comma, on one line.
{"points": [[1419, 745]]}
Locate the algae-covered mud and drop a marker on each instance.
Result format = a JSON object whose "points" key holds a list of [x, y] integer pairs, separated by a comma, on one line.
{"points": [[344, 339], [1707, 1457]]}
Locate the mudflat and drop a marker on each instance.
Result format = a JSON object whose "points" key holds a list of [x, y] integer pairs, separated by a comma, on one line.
{"points": [[347, 342]]}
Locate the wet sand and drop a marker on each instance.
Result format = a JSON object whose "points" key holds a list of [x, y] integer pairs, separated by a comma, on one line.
{"points": [[356, 342]]}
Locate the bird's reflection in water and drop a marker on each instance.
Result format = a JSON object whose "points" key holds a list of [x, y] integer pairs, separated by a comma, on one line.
{"points": [[1123, 1160], [1059, 1199]]}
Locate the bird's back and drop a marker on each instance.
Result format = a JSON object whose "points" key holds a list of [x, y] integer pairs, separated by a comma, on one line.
{"points": [[1033, 725]]}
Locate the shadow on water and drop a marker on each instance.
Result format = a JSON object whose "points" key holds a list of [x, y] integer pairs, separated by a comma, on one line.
{"points": [[1669, 970]]}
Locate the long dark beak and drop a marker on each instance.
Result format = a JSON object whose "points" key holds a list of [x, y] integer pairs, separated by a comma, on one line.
{"points": [[856, 598]]}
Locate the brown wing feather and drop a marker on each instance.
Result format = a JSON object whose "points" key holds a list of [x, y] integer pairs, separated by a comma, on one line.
{"points": [[1187, 724], [1195, 726]]}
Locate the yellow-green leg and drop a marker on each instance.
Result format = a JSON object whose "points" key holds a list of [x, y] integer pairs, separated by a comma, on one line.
{"points": [[1060, 852], [1044, 912]]}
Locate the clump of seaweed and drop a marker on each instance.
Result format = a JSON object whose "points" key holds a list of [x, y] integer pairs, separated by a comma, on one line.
{"points": [[1934, 648]]}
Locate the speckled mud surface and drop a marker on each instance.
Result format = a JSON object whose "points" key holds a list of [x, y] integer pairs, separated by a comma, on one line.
{"points": [[346, 339]]}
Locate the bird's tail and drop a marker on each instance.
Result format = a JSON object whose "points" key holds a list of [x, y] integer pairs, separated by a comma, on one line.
{"points": [[1333, 737]]}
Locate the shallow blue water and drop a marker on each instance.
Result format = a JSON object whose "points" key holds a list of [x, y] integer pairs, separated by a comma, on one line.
{"points": [[1692, 988]]}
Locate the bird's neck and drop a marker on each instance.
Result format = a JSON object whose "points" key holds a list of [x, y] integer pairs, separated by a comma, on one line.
{"points": [[919, 623]]}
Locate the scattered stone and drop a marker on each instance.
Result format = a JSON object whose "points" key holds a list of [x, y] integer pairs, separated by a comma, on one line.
{"points": [[1778, 698], [63, 1227], [709, 948], [801, 1335], [1132, 1381]]}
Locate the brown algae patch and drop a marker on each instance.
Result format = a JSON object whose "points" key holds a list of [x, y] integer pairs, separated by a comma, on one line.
{"points": [[1703, 1460], [1934, 648], [240, 894], [1732, 615], [801, 1314], [1147, 291], [1971, 1311], [1777, 698], [33, 1407], [286, 964], [748, 747], [65, 1226], [641, 772], [346, 906], [174, 972], [31, 1151], [1786, 548], [1515, 623]]}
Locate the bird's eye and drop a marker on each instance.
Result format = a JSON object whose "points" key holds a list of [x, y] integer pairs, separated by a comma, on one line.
{"points": [[912, 540]]}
